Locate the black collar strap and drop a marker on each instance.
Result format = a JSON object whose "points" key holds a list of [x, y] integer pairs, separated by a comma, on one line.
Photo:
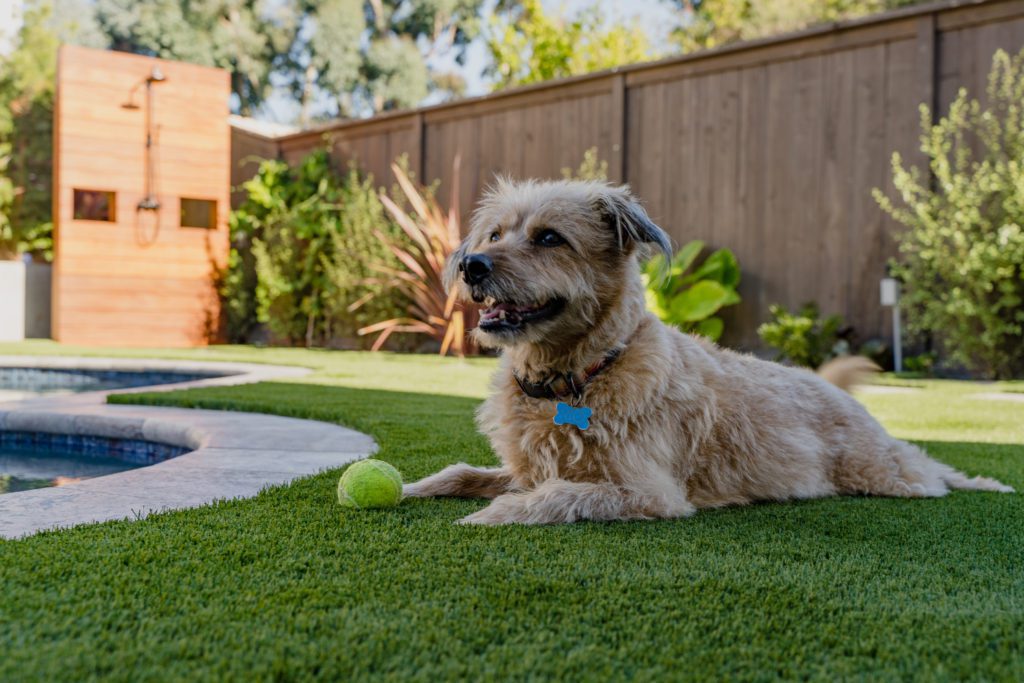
{"points": [[567, 384]]}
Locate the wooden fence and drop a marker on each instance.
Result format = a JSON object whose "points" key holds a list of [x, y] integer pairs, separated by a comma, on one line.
{"points": [[770, 148]]}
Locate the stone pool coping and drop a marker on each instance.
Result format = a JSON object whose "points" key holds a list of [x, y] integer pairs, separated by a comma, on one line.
{"points": [[234, 454]]}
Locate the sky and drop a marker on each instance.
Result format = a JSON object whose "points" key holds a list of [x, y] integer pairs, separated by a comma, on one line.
{"points": [[655, 16], [10, 20]]}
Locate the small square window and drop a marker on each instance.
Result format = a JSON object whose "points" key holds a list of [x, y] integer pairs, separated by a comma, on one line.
{"points": [[198, 213], [94, 205]]}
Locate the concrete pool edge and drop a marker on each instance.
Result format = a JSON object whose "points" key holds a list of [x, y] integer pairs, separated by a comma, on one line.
{"points": [[236, 455]]}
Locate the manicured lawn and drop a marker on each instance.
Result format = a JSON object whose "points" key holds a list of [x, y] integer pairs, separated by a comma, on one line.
{"points": [[290, 586]]}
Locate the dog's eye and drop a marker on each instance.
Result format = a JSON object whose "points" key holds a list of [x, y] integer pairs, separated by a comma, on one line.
{"points": [[495, 236], [549, 238]]}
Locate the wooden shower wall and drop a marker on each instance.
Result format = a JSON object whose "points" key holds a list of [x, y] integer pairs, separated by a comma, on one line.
{"points": [[141, 279]]}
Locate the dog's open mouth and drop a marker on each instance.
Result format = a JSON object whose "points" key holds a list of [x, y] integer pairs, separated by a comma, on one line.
{"points": [[503, 316]]}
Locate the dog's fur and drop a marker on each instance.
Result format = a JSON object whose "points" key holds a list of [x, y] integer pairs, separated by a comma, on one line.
{"points": [[678, 423]]}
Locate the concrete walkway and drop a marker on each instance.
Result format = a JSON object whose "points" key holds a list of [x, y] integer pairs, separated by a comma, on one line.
{"points": [[884, 389], [1012, 397], [235, 454]]}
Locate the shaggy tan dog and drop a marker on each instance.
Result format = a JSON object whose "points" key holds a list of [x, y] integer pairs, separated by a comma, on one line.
{"points": [[676, 422]]}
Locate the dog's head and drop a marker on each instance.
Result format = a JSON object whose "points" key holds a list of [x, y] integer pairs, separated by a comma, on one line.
{"points": [[548, 260]]}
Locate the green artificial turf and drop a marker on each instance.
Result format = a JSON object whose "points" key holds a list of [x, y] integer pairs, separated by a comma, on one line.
{"points": [[288, 585]]}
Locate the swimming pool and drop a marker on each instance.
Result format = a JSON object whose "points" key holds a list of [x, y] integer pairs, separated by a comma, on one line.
{"points": [[33, 460], [17, 383]]}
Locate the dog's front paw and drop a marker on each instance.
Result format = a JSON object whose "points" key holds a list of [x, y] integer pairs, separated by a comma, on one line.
{"points": [[507, 509]]}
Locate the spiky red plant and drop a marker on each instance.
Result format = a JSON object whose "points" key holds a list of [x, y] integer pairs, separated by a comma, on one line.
{"points": [[433, 236]]}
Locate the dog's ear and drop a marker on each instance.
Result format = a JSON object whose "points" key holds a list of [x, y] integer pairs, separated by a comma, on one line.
{"points": [[623, 214], [450, 274]]}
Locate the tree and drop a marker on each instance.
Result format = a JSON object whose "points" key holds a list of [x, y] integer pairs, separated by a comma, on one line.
{"points": [[27, 78], [364, 55], [242, 36], [528, 45], [712, 23], [8, 242], [373, 55]]}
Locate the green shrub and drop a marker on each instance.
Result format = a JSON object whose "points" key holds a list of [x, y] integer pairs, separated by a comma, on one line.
{"points": [[359, 296], [690, 300], [238, 282], [922, 363], [27, 76], [8, 240], [962, 250], [303, 244], [591, 168], [804, 338]]}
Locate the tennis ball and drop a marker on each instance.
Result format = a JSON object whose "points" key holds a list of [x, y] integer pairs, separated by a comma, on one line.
{"points": [[370, 484]]}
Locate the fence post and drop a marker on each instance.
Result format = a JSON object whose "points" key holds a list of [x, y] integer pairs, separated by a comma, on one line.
{"points": [[420, 147], [617, 162], [927, 62]]}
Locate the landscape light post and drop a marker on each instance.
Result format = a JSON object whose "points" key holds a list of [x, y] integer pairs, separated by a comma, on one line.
{"points": [[890, 291]]}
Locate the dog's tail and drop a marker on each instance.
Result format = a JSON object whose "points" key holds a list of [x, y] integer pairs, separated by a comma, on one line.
{"points": [[958, 480], [846, 372]]}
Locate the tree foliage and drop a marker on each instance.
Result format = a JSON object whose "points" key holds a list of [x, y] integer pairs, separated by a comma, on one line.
{"points": [[365, 55], [528, 45], [246, 37], [375, 55], [8, 242], [962, 249], [713, 23], [27, 77]]}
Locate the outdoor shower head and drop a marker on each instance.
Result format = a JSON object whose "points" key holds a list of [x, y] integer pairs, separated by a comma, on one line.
{"points": [[150, 201], [155, 76]]}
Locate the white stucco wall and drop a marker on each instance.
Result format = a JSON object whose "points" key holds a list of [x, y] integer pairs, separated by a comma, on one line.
{"points": [[12, 300]]}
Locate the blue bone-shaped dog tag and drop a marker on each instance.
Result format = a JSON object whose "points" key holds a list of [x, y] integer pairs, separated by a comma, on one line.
{"points": [[565, 414]]}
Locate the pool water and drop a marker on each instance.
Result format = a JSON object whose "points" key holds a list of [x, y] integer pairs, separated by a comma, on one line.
{"points": [[26, 469], [34, 460], [30, 460], [17, 383]]}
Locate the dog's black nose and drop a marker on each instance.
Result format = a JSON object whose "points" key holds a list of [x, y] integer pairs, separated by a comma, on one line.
{"points": [[475, 268]]}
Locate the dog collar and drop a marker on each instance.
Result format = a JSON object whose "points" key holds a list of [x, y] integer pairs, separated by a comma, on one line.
{"points": [[565, 385]]}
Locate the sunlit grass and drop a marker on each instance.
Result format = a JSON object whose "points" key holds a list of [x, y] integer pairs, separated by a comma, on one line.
{"points": [[290, 586]]}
